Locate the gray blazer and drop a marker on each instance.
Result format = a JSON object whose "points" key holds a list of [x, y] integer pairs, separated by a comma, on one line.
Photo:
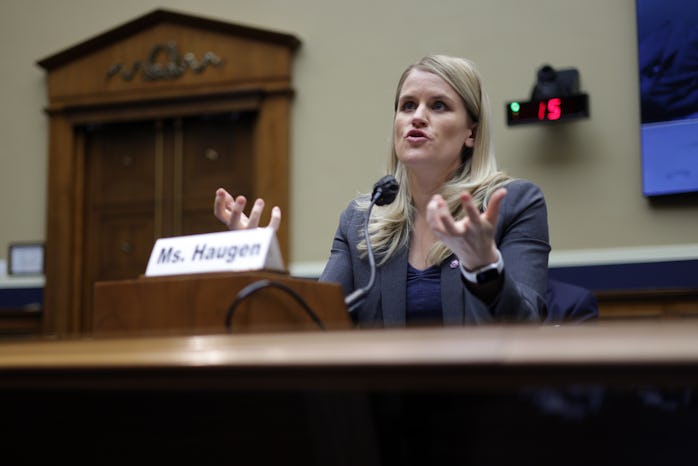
{"points": [[521, 236]]}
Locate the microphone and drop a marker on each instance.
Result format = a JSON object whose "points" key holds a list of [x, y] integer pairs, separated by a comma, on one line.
{"points": [[384, 192]]}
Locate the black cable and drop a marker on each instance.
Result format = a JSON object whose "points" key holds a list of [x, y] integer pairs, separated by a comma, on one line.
{"points": [[254, 287]]}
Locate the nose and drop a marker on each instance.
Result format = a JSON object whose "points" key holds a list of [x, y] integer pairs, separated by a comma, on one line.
{"points": [[419, 117]]}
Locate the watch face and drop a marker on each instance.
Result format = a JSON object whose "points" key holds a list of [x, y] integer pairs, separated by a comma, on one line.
{"points": [[488, 275]]}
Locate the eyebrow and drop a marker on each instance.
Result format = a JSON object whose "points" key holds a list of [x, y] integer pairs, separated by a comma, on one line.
{"points": [[436, 97], [443, 97]]}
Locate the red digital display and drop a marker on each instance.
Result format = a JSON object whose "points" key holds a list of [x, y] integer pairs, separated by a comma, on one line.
{"points": [[548, 110]]}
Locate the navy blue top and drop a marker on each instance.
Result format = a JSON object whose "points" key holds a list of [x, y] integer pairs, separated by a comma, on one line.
{"points": [[424, 296]]}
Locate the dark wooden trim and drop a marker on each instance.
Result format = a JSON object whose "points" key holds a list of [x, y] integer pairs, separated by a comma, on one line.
{"points": [[648, 303], [641, 295], [161, 107]]}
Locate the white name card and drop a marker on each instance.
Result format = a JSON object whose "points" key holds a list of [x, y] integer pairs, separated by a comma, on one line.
{"points": [[227, 251]]}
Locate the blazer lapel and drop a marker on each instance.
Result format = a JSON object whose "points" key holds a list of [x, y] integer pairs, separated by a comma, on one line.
{"points": [[393, 283], [452, 293]]}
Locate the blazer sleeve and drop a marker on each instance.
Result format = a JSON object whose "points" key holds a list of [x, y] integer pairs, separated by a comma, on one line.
{"points": [[523, 240], [568, 303], [340, 266]]}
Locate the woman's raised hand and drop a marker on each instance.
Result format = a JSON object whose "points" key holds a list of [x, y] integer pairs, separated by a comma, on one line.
{"points": [[229, 210], [472, 238]]}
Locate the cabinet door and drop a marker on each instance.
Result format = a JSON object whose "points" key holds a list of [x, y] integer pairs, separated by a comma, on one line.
{"points": [[152, 179], [120, 199], [216, 151]]}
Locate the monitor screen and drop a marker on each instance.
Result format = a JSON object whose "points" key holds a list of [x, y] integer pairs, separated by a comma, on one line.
{"points": [[667, 35]]}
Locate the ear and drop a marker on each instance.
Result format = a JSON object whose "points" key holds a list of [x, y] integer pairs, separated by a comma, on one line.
{"points": [[470, 139]]}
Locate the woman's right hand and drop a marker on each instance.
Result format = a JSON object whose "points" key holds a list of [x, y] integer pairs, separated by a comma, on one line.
{"points": [[229, 210]]}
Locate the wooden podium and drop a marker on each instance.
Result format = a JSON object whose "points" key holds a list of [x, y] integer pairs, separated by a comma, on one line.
{"points": [[199, 303]]}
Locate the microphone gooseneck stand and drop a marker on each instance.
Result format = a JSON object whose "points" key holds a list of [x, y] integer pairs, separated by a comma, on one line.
{"points": [[384, 192]]}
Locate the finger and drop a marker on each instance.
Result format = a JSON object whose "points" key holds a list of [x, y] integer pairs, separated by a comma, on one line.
{"points": [[237, 219], [222, 205], [492, 212], [450, 226], [255, 214], [447, 223], [471, 212], [434, 215], [275, 218]]}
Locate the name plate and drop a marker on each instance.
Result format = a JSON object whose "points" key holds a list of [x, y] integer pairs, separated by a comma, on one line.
{"points": [[227, 251]]}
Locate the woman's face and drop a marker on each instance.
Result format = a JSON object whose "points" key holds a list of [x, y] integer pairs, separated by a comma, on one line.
{"points": [[431, 125]]}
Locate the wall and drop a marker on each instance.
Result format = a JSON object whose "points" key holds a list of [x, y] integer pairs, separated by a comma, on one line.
{"points": [[345, 74]]}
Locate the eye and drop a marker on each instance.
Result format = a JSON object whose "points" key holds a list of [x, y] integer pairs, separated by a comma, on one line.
{"points": [[408, 105], [439, 105]]}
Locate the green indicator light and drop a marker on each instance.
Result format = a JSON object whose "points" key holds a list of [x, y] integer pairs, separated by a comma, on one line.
{"points": [[515, 107]]}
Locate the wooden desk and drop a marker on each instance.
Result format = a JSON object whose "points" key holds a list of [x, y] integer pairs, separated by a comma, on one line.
{"points": [[451, 358], [431, 396]]}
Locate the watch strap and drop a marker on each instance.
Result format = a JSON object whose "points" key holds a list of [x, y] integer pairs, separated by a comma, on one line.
{"points": [[487, 273]]}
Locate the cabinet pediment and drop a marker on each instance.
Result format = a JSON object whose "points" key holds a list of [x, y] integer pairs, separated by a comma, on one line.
{"points": [[162, 51]]}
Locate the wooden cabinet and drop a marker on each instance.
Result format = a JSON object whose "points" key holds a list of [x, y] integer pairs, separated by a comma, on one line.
{"points": [[146, 121]]}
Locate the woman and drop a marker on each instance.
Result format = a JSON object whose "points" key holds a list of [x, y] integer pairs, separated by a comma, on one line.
{"points": [[463, 243]]}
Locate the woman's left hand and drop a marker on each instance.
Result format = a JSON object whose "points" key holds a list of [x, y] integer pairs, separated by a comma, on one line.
{"points": [[472, 238]]}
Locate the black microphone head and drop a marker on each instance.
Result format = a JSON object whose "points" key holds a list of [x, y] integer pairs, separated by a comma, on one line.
{"points": [[385, 190]]}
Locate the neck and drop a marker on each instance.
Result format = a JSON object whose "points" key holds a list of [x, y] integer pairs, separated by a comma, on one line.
{"points": [[422, 189], [421, 241]]}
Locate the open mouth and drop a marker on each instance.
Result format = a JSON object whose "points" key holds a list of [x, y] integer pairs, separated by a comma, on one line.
{"points": [[416, 134]]}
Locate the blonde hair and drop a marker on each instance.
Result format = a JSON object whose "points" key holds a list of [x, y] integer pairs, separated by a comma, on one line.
{"points": [[390, 225]]}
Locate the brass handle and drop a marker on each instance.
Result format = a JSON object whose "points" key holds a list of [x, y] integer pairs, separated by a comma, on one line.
{"points": [[212, 154]]}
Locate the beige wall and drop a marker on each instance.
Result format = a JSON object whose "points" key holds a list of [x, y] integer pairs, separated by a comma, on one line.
{"points": [[345, 73]]}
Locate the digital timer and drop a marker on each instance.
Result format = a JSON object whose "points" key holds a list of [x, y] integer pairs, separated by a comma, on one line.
{"points": [[548, 110]]}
